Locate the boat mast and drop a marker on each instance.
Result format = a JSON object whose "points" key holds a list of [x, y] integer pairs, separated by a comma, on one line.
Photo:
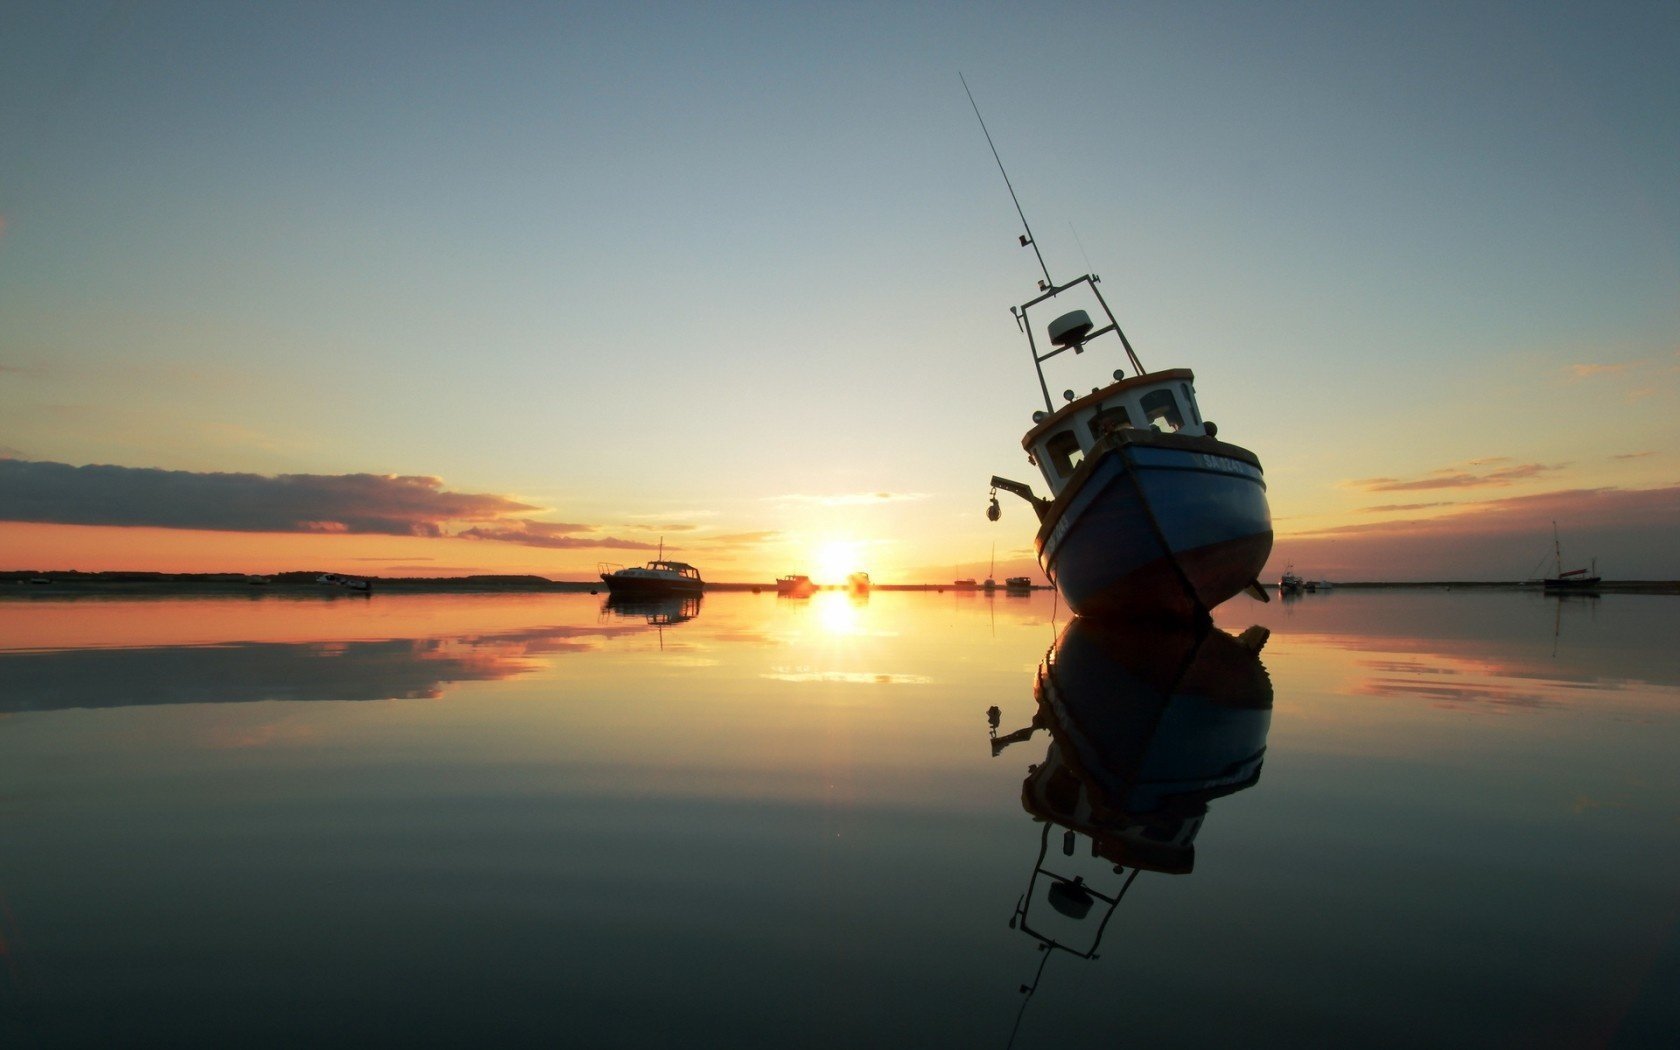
{"points": [[1027, 238], [1557, 549]]}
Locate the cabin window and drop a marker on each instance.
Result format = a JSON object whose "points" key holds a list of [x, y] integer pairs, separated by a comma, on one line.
{"points": [[1064, 452], [1161, 409], [1190, 402], [1111, 418]]}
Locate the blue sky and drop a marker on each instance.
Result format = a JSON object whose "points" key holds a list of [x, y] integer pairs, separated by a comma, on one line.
{"points": [[734, 269]]}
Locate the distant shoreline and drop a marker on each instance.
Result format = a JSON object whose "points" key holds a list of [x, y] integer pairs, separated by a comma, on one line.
{"points": [[19, 582]]}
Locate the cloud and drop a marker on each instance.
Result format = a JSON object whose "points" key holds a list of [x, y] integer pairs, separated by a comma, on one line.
{"points": [[848, 499], [1634, 455], [384, 504], [734, 540], [1457, 478], [1392, 508], [1587, 371], [1629, 531], [675, 514], [550, 536]]}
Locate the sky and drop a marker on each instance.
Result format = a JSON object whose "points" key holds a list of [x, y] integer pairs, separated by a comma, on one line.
{"points": [[434, 289]]}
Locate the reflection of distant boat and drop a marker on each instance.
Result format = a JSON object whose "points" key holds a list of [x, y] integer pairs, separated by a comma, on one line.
{"points": [[658, 611], [1576, 581], [858, 583], [795, 586], [1018, 584]]}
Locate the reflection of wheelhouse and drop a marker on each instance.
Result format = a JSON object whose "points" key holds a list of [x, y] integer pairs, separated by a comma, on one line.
{"points": [[658, 612]]}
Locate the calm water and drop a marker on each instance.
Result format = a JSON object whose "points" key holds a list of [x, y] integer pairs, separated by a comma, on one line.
{"points": [[1416, 818]]}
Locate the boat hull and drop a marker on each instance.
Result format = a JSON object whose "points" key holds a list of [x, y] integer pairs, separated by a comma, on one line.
{"points": [[1572, 585], [1157, 525]]}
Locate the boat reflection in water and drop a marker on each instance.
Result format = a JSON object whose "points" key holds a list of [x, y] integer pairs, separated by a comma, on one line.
{"points": [[1147, 726], [664, 611]]}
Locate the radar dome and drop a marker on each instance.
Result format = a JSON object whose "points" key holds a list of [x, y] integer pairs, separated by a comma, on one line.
{"points": [[1070, 329]]}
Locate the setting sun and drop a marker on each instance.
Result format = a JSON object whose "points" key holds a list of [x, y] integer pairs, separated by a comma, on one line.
{"points": [[838, 559]]}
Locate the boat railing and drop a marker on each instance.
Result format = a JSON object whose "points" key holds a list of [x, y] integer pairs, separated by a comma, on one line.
{"points": [[1075, 341]]}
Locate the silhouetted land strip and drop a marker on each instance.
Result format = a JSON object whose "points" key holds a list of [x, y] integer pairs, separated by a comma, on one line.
{"points": [[19, 583]]}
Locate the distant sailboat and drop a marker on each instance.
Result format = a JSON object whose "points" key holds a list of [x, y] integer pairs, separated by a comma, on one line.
{"points": [[991, 573], [1575, 580]]}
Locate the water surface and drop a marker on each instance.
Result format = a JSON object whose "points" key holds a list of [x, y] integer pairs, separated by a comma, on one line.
{"points": [[1415, 817]]}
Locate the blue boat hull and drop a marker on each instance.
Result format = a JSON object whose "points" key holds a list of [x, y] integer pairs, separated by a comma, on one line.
{"points": [[1155, 525]]}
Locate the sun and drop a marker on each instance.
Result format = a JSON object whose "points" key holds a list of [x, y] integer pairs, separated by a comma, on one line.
{"points": [[838, 559]]}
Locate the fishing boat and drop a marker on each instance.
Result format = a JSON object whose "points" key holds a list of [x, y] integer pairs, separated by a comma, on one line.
{"points": [[1574, 581], [658, 577], [1018, 584], [1291, 582], [1149, 513], [795, 586]]}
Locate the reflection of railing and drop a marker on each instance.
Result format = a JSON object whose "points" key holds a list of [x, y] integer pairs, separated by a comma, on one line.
{"points": [[1070, 897]]}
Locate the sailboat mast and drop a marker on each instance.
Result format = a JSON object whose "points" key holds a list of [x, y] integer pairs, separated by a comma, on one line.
{"points": [[1557, 549]]}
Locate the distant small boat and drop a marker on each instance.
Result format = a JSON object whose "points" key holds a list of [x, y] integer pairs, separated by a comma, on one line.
{"points": [[349, 583], [858, 583], [795, 586], [965, 585], [1291, 583], [1575, 580], [1018, 583]]}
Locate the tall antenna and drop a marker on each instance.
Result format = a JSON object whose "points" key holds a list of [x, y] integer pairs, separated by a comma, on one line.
{"points": [[1027, 238]]}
